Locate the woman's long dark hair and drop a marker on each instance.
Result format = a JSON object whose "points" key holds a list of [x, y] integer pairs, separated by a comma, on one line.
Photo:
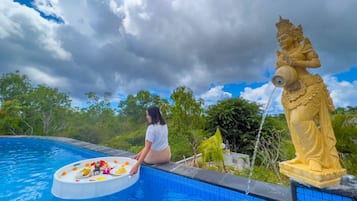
{"points": [[155, 115]]}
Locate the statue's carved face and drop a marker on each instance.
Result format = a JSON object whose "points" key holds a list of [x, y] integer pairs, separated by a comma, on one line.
{"points": [[285, 41]]}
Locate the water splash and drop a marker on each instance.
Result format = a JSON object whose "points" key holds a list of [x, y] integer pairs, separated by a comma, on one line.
{"points": [[257, 142]]}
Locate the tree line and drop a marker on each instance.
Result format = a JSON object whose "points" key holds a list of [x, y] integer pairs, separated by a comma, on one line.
{"points": [[28, 109]]}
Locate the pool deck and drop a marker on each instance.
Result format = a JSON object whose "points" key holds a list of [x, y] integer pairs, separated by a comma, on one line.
{"points": [[263, 190]]}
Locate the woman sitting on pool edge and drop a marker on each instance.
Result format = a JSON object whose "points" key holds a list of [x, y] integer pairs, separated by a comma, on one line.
{"points": [[156, 149]]}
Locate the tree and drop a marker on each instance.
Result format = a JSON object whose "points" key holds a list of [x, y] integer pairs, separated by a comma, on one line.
{"points": [[238, 121], [186, 115], [14, 86], [13, 93], [49, 106], [97, 123], [132, 119], [12, 119], [186, 112], [97, 106], [134, 107]]}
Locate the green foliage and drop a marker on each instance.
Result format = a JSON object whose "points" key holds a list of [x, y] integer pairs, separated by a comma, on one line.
{"points": [[134, 108], [119, 142], [345, 128], [50, 107], [238, 121], [97, 123], [40, 110], [186, 116], [275, 137], [127, 140], [211, 149], [195, 138], [186, 111], [11, 119], [31, 110], [14, 86], [262, 173], [87, 133], [287, 150], [135, 149], [179, 145], [13, 91]]}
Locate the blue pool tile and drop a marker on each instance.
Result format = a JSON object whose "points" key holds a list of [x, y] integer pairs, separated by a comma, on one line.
{"points": [[308, 192], [307, 198], [317, 195], [336, 198], [327, 196], [346, 199], [299, 190], [300, 197]]}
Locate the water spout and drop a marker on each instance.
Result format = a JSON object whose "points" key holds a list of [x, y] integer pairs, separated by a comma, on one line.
{"points": [[257, 142]]}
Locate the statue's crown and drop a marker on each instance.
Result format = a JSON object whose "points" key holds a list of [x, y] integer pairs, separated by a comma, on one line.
{"points": [[284, 26]]}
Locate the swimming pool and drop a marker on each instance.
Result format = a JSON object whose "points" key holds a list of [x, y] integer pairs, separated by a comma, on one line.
{"points": [[29, 165]]}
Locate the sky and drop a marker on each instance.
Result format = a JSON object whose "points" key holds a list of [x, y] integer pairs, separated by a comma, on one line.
{"points": [[218, 49]]}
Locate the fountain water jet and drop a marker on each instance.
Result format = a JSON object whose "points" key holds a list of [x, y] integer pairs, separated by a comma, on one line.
{"points": [[257, 141]]}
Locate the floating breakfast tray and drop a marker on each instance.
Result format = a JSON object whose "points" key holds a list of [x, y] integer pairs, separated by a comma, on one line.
{"points": [[94, 177]]}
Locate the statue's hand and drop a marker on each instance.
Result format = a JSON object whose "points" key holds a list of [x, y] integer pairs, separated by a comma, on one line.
{"points": [[288, 60], [294, 86]]}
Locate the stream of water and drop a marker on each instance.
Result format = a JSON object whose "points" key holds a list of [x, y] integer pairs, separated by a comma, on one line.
{"points": [[257, 142]]}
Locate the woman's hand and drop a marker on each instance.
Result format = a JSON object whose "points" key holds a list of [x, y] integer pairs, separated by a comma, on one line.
{"points": [[140, 157], [137, 156], [134, 169]]}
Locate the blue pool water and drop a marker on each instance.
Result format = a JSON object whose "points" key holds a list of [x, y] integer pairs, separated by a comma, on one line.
{"points": [[27, 166]]}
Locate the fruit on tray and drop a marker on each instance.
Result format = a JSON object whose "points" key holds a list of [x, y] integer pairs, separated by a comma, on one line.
{"points": [[120, 171], [85, 171], [125, 164]]}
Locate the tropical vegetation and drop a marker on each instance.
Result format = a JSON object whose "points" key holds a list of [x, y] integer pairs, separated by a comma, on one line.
{"points": [[28, 109]]}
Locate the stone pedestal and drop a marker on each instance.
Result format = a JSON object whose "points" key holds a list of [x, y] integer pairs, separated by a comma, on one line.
{"points": [[300, 172]]}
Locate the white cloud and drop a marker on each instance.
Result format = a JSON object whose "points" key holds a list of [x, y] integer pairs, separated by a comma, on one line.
{"points": [[21, 22], [8, 27], [215, 94], [52, 44], [262, 95], [41, 77], [48, 7], [343, 93], [130, 9], [123, 46]]}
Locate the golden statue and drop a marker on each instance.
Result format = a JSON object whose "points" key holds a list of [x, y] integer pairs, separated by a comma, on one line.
{"points": [[306, 103]]}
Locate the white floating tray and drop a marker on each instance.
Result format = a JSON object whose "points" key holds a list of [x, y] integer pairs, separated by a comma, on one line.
{"points": [[69, 183]]}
